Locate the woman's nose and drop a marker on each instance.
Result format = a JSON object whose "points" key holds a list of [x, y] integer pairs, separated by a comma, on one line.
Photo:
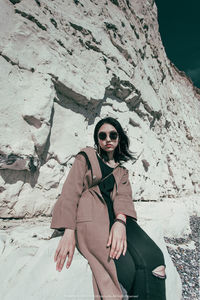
{"points": [[108, 138]]}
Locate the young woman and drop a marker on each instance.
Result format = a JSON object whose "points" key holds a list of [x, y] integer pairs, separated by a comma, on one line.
{"points": [[96, 212]]}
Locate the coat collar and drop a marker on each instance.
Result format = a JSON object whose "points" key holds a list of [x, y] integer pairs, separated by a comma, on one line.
{"points": [[96, 171]]}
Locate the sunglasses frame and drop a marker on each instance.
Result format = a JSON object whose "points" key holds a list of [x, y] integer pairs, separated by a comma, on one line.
{"points": [[110, 133]]}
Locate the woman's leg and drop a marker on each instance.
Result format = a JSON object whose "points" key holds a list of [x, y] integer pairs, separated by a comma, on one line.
{"points": [[149, 283], [125, 267]]}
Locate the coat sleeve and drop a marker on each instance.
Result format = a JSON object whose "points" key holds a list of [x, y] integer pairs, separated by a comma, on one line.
{"points": [[123, 202], [65, 208]]}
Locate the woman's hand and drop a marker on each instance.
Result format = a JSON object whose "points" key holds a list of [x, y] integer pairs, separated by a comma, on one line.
{"points": [[65, 247], [117, 240]]}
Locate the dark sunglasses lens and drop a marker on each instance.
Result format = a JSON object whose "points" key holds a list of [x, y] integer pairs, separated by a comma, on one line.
{"points": [[102, 136], [113, 135]]}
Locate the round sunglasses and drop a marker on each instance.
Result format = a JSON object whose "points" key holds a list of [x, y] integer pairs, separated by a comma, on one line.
{"points": [[112, 134]]}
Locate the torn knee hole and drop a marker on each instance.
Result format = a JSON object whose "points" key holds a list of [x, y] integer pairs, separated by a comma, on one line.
{"points": [[159, 272]]}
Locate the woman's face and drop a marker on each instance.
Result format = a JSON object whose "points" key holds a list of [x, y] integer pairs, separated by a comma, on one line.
{"points": [[108, 137]]}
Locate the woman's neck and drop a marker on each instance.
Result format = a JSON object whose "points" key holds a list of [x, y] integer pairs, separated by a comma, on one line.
{"points": [[110, 156], [111, 162]]}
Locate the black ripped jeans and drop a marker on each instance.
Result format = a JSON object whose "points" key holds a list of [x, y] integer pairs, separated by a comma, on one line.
{"points": [[134, 270]]}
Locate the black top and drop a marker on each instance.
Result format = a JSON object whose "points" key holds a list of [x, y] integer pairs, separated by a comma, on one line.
{"points": [[106, 186]]}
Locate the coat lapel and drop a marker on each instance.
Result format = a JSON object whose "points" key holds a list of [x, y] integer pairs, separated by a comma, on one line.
{"points": [[96, 172]]}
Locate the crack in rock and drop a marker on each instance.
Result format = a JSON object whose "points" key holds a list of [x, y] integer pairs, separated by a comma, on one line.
{"points": [[80, 28], [53, 21], [89, 45], [110, 26], [133, 123], [115, 2], [135, 31], [15, 1], [161, 70], [13, 63], [30, 18], [38, 2], [77, 2]]}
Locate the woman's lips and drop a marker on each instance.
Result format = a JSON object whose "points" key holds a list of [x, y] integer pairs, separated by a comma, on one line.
{"points": [[109, 145]]}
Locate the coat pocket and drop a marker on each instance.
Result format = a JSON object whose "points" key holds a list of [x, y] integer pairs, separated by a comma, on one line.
{"points": [[85, 208]]}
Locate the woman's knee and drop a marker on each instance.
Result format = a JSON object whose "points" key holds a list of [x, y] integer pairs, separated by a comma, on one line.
{"points": [[143, 249], [159, 272]]}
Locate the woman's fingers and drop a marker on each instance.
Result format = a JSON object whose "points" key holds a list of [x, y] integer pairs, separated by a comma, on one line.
{"points": [[125, 247], [70, 257], [60, 261], [116, 250], [113, 248], [121, 246], [109, 239], [58, 250]]}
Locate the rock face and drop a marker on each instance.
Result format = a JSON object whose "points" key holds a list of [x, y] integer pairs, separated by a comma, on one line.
{"points": [[66, 64]]}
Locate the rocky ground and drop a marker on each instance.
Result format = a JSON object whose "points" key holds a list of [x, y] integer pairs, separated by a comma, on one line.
{"points": [[24, 246], [185, 255]]}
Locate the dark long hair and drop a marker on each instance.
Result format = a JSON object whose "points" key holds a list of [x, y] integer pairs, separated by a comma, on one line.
{"points": [[122, 152]]}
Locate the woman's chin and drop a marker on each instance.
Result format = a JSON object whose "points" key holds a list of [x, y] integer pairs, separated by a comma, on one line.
{"points": [[108, 149]]}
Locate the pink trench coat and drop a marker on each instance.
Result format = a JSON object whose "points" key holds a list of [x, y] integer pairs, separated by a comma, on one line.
{"points": [[81, 207]]}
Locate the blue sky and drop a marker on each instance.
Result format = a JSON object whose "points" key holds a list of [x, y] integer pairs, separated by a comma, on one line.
{"points": [[179, 25]]}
